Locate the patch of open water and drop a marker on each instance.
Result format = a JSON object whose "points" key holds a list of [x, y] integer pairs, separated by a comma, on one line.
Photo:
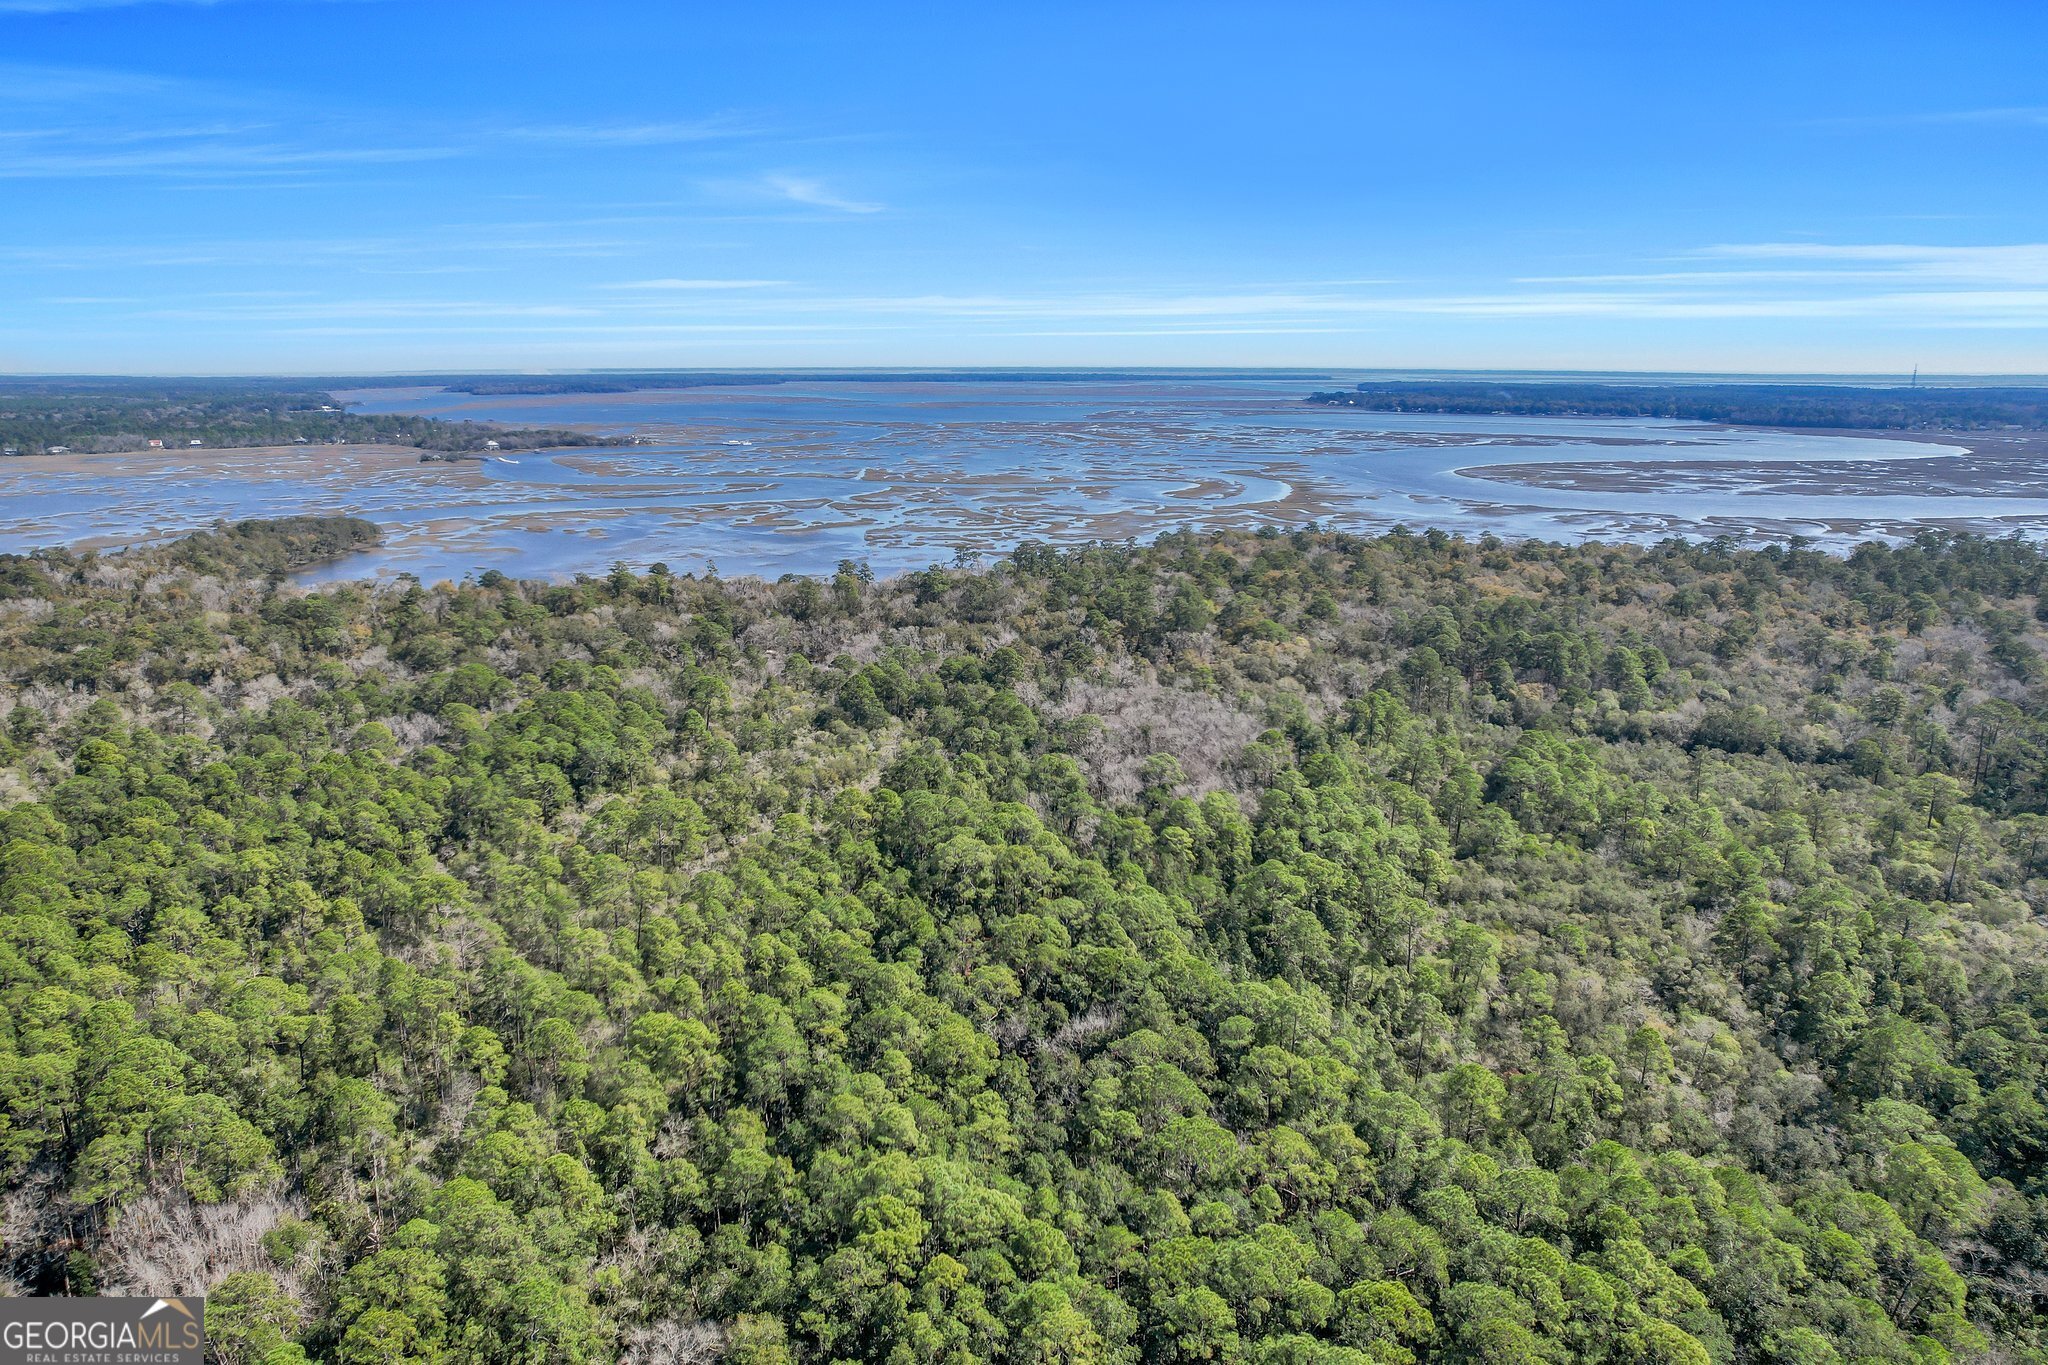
{"points": [[795, 477]]}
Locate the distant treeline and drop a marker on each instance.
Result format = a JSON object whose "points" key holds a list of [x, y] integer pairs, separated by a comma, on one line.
{"points": [[100, 415], [1777, 405]]}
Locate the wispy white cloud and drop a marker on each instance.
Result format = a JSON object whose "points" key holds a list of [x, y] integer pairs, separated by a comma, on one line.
{"points": [[401, 309], [73, 6], [34, 83], [1846, 286], [1911, 284], [712, 304], [1183, 332], [28, 136], [88, 123], [214, 157], [674, 285], [95, 123], [2024, 263], [1962, 308], [636, 134], [77, 6], [434, 247], [2022, 115], [1990, 307], [799, 189], [2036, 114]]}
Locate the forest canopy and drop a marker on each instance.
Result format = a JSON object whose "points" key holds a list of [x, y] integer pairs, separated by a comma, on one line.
{"points": [[1266, 948], [37, 416]]}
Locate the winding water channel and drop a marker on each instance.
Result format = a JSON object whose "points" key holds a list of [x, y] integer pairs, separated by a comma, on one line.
{"points": [[794, 477]]}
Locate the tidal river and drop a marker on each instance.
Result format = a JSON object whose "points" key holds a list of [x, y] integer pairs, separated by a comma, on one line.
{"points": [[795, 477]]}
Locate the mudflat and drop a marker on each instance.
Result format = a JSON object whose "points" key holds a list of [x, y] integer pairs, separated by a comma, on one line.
{"points": [[796, 477], [1962, 464], [290, 462]]}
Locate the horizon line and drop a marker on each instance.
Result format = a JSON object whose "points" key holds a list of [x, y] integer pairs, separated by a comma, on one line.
{"points": [[1331, 372]]}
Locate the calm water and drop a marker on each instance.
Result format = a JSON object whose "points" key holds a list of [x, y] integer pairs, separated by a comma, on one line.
{"points": [[795, 477]]}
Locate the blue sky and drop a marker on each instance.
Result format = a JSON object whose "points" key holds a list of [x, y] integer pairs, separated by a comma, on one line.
{"points": [[378, 185]]}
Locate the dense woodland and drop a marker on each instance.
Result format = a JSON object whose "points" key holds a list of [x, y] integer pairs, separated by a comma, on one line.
{"points": [[1290, 949], [1896, 407], [37, 415]]}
